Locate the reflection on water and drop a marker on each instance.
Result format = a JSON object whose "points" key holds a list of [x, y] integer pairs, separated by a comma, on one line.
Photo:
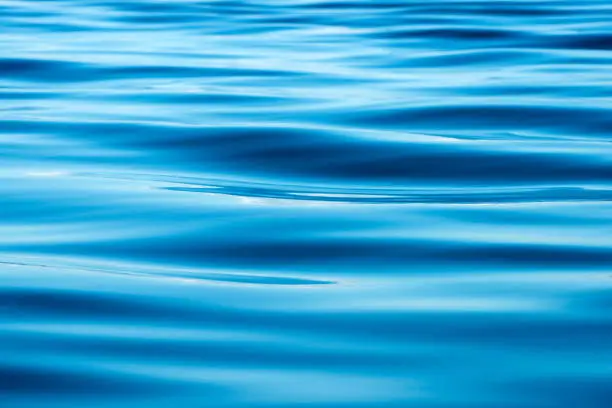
{"points": [[305, 203]]}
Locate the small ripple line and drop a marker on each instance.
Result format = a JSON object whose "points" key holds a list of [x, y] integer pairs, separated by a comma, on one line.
{"points": [[481, 195]]}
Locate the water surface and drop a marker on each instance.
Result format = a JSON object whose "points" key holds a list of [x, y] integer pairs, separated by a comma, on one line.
{"points": [[305, 203]]}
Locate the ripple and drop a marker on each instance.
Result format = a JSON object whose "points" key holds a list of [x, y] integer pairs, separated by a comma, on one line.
{"points": [[187, 275], [371, 196]]}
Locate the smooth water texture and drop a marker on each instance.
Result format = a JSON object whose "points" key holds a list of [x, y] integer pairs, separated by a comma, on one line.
{"points": [[305, 203]]}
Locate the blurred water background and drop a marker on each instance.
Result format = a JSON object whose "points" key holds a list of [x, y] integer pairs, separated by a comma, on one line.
{"points": [[305, 203]]}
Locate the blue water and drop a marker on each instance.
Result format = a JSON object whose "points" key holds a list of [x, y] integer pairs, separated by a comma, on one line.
{"points": [[305, 203]]}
